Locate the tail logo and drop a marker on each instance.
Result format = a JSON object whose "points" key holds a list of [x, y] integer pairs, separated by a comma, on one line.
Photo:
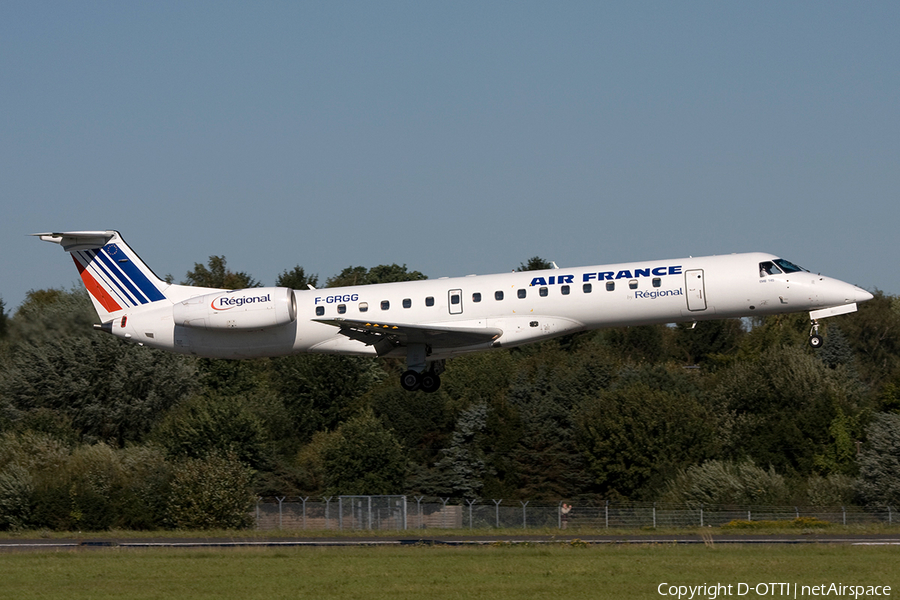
{"points": [[113, 279]]}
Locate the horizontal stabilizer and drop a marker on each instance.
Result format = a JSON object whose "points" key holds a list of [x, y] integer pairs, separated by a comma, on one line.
{"points": [[78, 240]]}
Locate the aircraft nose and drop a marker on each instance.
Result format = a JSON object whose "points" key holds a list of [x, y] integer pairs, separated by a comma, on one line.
{"points": [[862, 295]]}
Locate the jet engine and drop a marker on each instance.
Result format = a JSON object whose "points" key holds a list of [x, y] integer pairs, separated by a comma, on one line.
{"points": [[252, 308]]}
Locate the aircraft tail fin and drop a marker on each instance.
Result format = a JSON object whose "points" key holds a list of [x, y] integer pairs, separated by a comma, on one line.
{"points": [[113, 274]]}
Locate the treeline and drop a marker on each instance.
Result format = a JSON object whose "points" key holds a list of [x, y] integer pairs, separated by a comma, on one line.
{"points": [[96, 433]]}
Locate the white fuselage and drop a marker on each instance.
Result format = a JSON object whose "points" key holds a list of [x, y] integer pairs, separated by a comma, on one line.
{"points": [[523, 306]]}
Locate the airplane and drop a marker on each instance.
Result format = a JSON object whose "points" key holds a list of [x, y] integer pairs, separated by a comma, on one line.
{"points": [[429, 321]]}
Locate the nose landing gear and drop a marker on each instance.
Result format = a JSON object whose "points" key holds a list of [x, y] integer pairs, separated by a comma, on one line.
{"points": [[815, 340]]}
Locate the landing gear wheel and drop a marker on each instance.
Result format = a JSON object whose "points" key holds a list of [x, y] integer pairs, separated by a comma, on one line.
{"points": [[410, 381], [430, 382], [816, 341]]}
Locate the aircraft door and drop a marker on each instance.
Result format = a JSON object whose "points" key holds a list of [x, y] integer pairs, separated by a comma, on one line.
{"points": [[455, 300], [695, 289]]}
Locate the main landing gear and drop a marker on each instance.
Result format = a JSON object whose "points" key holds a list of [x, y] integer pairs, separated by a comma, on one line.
{"points": [[815, 340], [428, 380]]}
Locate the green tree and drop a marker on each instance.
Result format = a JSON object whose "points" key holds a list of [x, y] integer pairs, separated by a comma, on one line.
{"points": [[535, 263], [107, 389], [379, 274], [640, 343], [3, 319], [16, 490], [296, 279], [834, 490], [420, 422], [782, 406], [460, 473], [874, 334], [725, 482], [837, 350], [838, 456], [216, 274], [634, 438], [546, 461], [879, 461], [320, 390], [212, 492], [207, 424], [701, 341], [364, 458]]}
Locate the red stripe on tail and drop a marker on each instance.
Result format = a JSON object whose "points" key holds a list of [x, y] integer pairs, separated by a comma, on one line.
{"points": [[95, 289]]}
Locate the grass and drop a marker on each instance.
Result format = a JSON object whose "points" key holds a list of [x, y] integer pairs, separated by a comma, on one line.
{"points": [[434, 572]]}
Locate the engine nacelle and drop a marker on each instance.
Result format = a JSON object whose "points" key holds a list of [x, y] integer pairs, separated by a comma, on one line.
{"points": [[252, 308]]}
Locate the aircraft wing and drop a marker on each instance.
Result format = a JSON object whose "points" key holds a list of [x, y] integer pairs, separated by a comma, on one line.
{"points": [[387, 336]]}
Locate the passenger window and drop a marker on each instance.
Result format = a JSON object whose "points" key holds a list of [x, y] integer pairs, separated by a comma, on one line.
{"points": [[586, 288], [564, 290], [342, 308], [407, 303], [429, 301], [610, 286], [521, 293], [476, 297], [385, 304], [363, 306], [632, 284], [320, 310], [657, 282], [542, 291], [498, 295], [767, 268]]}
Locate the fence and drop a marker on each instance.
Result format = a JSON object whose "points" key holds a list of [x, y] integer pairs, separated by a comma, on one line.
{"points": [[347, 513]]}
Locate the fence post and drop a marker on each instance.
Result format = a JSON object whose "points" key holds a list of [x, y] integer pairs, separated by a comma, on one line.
{"points": [[471, 502], [280, 500], [797, 511], [304, 510], [497, 511], [405, 514], [890, 520], [654, 515], [701, 514], [748, 515], [327, 506], [844, 511], [258, 500], [607, 514], [419, 508], [524, 519]]}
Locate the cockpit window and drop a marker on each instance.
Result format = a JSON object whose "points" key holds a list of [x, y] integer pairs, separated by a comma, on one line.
{"points": [[788, 266], [768, 268]]}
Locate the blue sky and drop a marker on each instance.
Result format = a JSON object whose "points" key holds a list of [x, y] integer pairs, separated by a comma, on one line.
{"points": [[454, 137]]}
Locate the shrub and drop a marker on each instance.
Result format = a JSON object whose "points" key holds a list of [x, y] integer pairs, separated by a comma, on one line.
{"points": [[210, 493]]}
